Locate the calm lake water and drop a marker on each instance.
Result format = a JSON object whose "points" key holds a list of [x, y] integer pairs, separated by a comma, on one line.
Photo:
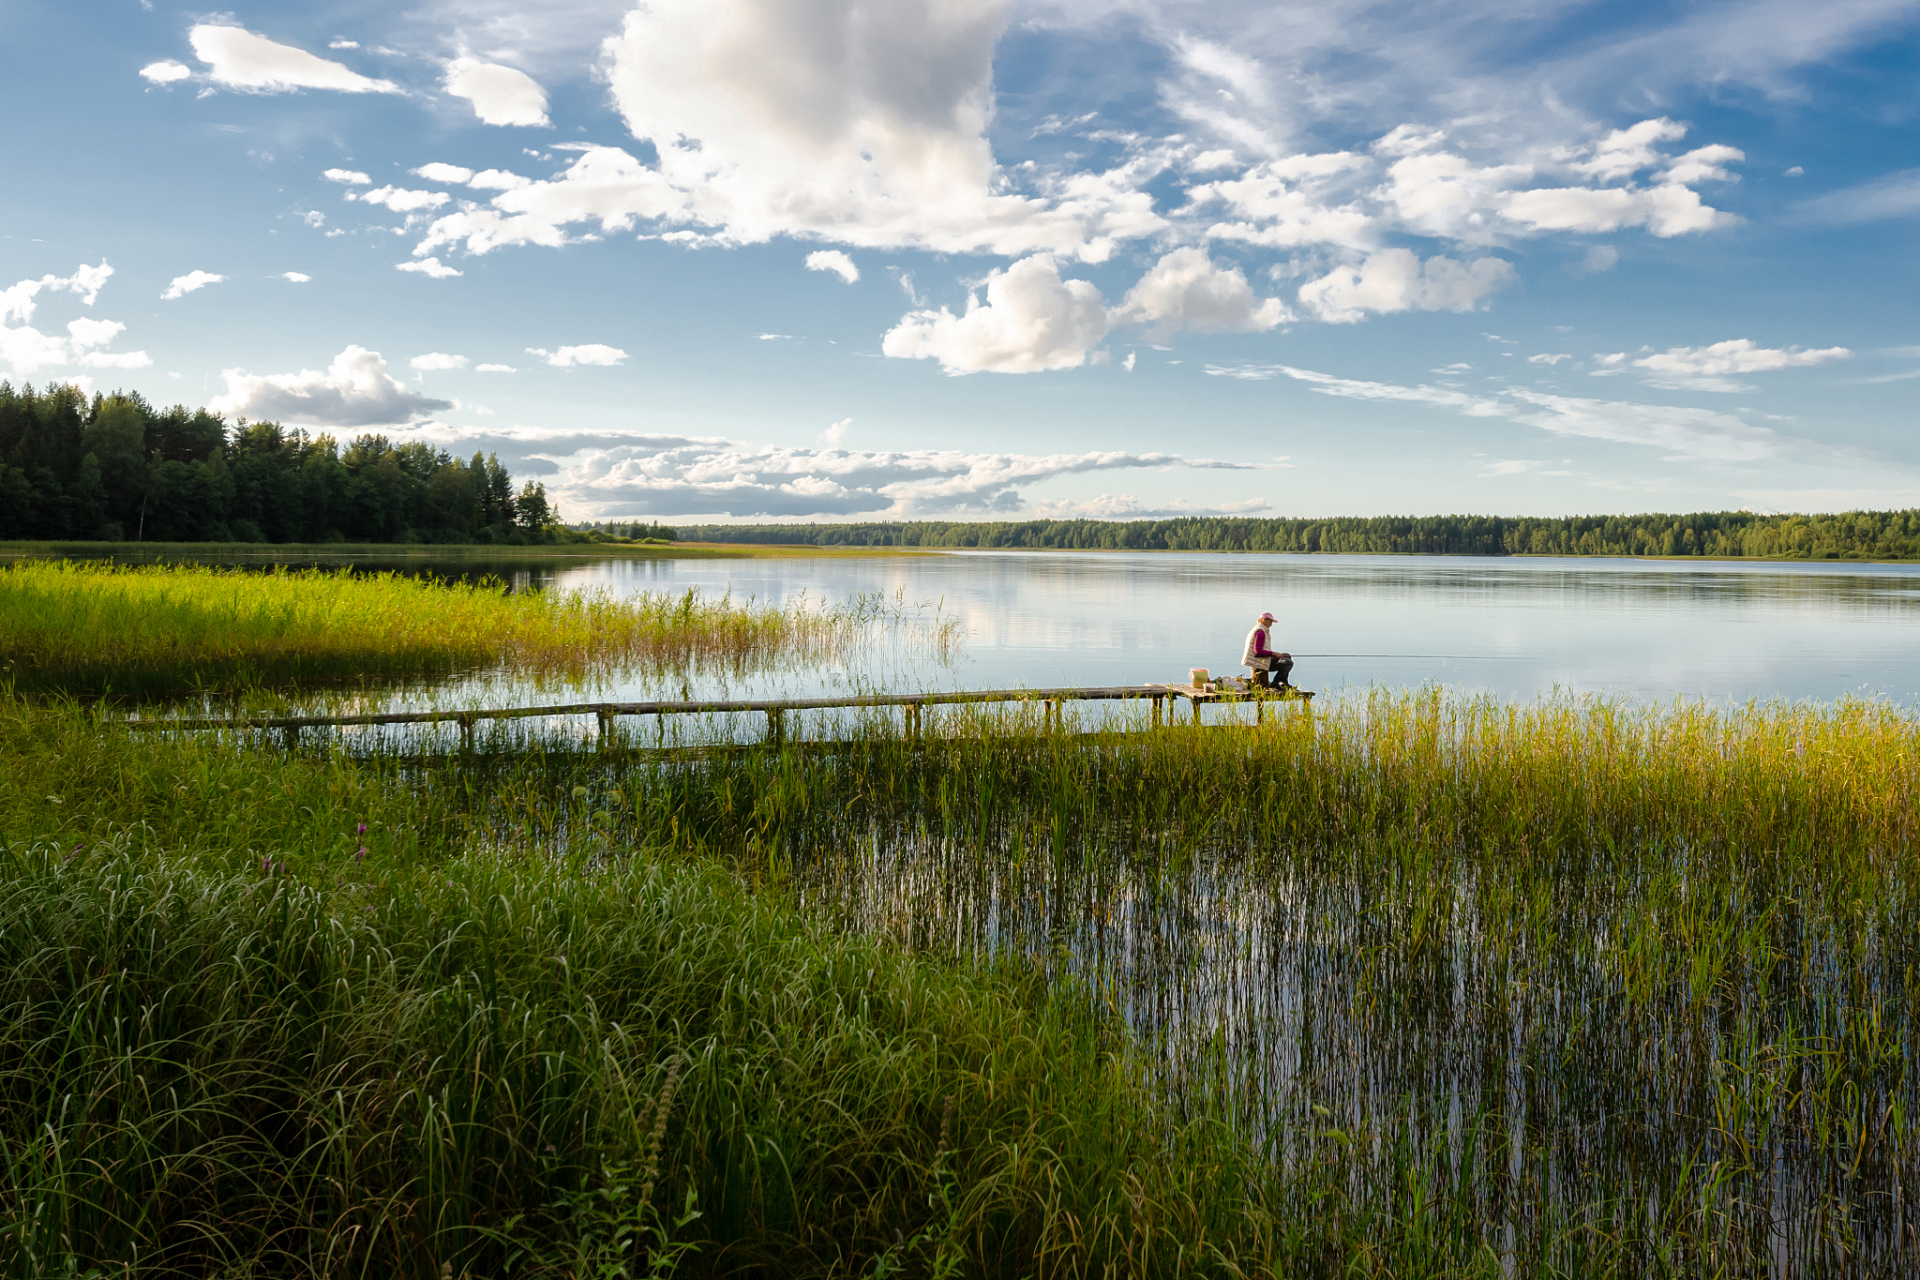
{"points": [[1514, 627]]}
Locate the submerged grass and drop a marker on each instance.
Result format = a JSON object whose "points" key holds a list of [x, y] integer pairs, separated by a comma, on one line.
{"points": [[80, 628], [1412, 986]]}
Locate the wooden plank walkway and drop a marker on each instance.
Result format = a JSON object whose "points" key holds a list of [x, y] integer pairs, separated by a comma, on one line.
{"points": [[774, 709]]}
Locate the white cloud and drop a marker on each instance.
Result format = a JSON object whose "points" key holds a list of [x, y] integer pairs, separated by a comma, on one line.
{"points": [[430, 267], [498, 180], [343, 44], [113, 359], [1032, 320], [1679, 433], [500, 95], [612, 474], [1625, 152], [1289, 203], [350, 176], [400, 200], [1715, 367], [1187, 289], [437, 360], [862, 123], [296, 277], [494, 368], [1549, 358], [438, 172], [188, 283], [836, 434], [239, 59], [1513, 467], [166, 72], [28, 350], [1437, 193], [17, 300], [1704, 164], [1397, 280], [592, 353], [1128, 363], [93, 333], [355, 391], [1666, 210], [835, 261]]}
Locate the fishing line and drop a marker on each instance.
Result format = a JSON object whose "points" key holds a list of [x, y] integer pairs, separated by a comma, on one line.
{"points": [[1430, 657]]}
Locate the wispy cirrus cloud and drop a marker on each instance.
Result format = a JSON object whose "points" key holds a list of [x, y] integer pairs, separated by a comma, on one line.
{"points": [[1680, 432]]}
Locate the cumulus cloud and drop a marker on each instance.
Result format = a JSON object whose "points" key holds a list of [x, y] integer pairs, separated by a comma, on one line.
{"points": [[1716, 367], [438, 172], [17, 301], [27, 350], [1666, 210], [611, 474], [836, 434], [189, 283], [432, 268], [400, 200], [350, 176], [354, 391], [592, 353], [835, 261], [1397, 280], [239, 59], [1679, 433], [494, 368], [1187, 289], [165, 72], [500, 95], [296, 277], [862, 123], [1290, 203], [437, 360], [1032, 320], [1625, 152]]}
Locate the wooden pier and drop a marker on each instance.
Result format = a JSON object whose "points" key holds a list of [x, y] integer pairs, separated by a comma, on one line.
{"points": [[775, 709]]}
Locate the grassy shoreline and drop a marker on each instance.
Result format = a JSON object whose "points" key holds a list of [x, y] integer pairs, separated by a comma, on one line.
{"points": [[83, 628], [399, 551], [1572, 987]]}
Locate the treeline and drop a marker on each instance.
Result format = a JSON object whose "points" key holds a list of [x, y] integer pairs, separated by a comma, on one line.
{"points": [[116, 468], [1855, 535]]}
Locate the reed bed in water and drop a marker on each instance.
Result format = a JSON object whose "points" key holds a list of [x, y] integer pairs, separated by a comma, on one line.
{"points": [[1411, 986], [86, 628]]}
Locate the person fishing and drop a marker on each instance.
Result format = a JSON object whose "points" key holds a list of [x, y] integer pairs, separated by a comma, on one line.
{"points": [[1270, 668]]}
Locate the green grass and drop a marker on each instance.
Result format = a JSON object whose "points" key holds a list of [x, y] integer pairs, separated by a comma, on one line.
{"points": [[85, 628], [1409, 986], [231, 1043]]}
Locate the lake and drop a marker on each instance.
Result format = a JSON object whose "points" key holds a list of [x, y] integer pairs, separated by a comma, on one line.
{"points": [[1651, 629]]}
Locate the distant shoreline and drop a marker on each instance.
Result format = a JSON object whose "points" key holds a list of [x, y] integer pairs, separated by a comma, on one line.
{"points": [[403, 551]]}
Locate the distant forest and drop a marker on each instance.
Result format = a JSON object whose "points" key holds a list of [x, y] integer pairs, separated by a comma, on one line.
{"points": [[1857, 535], [118, 469]]}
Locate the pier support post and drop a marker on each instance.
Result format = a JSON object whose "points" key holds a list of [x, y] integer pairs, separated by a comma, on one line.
{"points": [[605, 741], [913, 720], [290, 734], [1197, 704], [1156, 711], [776, 726], [466, 732]]}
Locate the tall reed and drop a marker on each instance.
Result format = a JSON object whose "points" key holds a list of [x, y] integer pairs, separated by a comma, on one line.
{"points": [[88, 628], [1415, 985]]}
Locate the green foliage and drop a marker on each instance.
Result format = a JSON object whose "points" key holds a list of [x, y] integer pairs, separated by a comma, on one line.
{"points": [[1873, 535], [119, 469]]}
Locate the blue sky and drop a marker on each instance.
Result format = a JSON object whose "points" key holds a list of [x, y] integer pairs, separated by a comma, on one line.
{"points": [[749, 259]]}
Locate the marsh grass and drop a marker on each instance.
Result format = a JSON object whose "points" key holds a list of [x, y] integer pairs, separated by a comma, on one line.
{"points": [[156, 630], [1410, 986]]}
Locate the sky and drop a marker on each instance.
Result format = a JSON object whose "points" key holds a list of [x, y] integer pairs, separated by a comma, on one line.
{"points": [[748, 260]]}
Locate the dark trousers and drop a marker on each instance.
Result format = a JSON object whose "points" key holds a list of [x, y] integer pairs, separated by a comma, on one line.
{"points": [[1270, 671]]}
